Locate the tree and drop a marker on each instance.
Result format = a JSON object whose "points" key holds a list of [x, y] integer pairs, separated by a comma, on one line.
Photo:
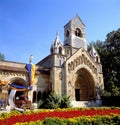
{"points": [[2, 56], [112, 65], [109, 51]]}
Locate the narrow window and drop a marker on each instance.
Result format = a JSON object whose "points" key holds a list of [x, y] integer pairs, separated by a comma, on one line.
{"points": [[67, 33], [67, 52], [38, 96], [60, 50], [60, 62], [34, 97], [97, 59]]}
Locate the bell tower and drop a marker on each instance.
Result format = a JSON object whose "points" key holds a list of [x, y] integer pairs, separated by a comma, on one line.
{"points": [[74, 35]]}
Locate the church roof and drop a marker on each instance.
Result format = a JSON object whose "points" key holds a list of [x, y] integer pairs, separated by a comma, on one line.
{"points": [[12, 66], [43, 60], [9, 66], [76, 19]]}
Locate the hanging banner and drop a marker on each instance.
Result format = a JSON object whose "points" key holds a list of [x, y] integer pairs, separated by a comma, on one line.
{"points": [[11, 98], [31, 72], [18, 87]]}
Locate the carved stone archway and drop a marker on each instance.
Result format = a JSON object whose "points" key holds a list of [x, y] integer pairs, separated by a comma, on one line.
{"points": [[84, 85], [18, 82]]}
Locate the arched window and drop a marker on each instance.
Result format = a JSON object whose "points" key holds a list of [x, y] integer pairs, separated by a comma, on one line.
{"points": [[97, 60], [68, 52], [34, 96], [67, 33], [60, 50], [38, 96], [78, 32]]}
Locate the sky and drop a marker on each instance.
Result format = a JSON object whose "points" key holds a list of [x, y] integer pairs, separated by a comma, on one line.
{"points": [[28, 27]]}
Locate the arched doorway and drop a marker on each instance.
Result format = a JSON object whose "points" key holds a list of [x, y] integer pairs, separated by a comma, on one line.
{"points": [[18, 92], [18, 82], [84, 85]]}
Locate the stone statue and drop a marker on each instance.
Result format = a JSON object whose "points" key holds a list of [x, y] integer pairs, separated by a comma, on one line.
{"points": [[31, 59]]}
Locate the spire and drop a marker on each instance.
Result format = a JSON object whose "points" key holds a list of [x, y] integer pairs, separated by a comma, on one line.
{"points": [[57, 40], [76, 15], [57, 35], [57, 45], [93, 51]]}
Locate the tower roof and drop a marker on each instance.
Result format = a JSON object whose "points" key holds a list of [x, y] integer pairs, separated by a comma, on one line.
{"points": [[76, 20], [57, 47], [57, 41]]}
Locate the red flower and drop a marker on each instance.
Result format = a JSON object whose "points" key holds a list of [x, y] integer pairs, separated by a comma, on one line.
{"points": [[57, 113]]}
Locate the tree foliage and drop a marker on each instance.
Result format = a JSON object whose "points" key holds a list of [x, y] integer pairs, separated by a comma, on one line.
{"points": [[109, 51], [112, 62]]}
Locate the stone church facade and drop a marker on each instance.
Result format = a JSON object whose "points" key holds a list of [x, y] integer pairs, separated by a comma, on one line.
{"points": [[69, 69]]}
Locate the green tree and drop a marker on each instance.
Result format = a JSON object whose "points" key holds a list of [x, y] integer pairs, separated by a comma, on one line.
{"points": [[2, 56], [112, 63], [109, 51]]}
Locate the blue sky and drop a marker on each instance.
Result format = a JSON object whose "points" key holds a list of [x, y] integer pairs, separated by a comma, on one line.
{"points": [[29, 26]]}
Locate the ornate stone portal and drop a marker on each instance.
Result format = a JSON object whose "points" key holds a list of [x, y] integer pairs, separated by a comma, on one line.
{"points": [[69, 69]]}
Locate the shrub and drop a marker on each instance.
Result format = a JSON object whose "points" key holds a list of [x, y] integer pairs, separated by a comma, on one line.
{"points": [[116, 119], [65, 102], [53, 121], [4, 115], [53, 101], [106, 93]]}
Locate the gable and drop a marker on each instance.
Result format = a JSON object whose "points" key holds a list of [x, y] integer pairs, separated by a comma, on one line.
{"points": [[81, 58], [77, 21]]}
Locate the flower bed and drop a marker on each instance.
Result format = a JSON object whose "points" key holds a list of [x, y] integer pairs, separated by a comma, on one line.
{"points": [[83, 120], [16, 117]]}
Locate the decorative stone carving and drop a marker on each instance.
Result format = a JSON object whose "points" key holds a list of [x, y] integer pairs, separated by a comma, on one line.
{"points": [[81, 60]]}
